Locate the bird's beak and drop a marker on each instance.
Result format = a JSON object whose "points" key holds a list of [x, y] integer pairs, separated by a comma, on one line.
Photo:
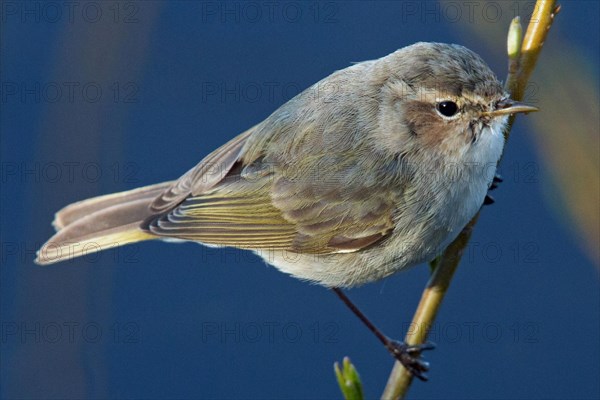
{"points": [[509, 106]]}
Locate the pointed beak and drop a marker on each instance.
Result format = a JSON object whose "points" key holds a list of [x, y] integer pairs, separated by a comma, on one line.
{"points": [[509, 106]]}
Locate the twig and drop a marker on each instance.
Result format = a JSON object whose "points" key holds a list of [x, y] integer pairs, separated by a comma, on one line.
{"points": [[520, 69]]}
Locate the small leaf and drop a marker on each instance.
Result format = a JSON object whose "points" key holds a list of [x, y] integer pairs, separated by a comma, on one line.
{"points": [[348, 380], [514, 39]]}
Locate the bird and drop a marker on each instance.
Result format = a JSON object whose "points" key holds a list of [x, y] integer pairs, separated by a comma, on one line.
{"points": [[373, 169]]}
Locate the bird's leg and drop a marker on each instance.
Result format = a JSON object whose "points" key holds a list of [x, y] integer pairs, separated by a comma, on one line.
{"points": [[495, 183], [408, 355]]}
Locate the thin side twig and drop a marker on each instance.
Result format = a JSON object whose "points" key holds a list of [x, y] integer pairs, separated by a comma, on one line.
{"points": [[400, 379]]}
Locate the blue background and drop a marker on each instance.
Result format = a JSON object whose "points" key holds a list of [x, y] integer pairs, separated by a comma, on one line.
{"points": [[158, 320]]}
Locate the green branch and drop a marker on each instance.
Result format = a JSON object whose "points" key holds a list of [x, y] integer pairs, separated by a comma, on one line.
{"points": [[522, 61]]}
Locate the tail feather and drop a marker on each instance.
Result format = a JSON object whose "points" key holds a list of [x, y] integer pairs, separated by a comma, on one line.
{"points": [[100, 223], [54, 251], [76, 211]]}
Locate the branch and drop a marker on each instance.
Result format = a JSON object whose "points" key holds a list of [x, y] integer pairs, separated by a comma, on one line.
{"points": [[521, 65]]}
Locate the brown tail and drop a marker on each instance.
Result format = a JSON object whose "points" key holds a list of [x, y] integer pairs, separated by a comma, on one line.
{"points": [[100, 223]]}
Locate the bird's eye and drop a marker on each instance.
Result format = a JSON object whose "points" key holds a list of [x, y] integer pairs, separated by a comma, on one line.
{"points": [[447, 108]]}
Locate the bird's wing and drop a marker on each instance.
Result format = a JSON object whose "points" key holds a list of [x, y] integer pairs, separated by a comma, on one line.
{"points": [[268, 206]]}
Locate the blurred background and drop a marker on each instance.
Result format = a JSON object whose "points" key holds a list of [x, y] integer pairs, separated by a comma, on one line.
{"points": [[104, 96]]}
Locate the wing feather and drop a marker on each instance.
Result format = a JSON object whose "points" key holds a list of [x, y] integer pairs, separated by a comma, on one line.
{"points": [[244, 214]]}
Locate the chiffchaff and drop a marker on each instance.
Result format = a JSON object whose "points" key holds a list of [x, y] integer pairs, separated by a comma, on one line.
{"points": [[371, 170]]}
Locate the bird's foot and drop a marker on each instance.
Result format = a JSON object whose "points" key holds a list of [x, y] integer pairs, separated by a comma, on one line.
{"points": [[495, 183], [410, 357]]}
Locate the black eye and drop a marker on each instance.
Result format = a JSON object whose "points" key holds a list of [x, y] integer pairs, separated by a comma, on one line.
{"points": [[447, 108]]}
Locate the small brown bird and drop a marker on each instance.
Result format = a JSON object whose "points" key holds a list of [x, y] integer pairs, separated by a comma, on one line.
{"points": [[373, 169]]}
